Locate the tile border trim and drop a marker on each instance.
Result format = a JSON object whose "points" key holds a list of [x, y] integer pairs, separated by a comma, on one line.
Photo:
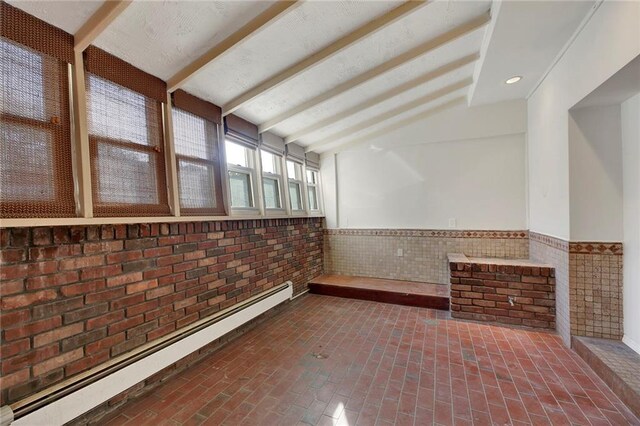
{"points": [[550, 241], [432, 233], [582, 247], [577, 247]]}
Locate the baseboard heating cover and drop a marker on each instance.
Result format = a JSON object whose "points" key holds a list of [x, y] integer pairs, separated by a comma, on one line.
{"points": [[74, 397]]}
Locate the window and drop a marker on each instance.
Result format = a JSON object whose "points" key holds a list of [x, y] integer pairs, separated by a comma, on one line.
{"points": [[36, 179], [312, 190], [195, 143], [271, 180], [294, 173], [125, 135], [240, 162]]}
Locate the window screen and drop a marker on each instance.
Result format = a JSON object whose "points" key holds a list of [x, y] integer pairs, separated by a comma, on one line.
{"points": [[36, 178], [125, 134], [199, 183]]}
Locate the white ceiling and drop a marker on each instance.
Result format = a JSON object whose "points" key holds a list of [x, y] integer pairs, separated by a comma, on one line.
{"points": [[162, 37], [523, 40]]}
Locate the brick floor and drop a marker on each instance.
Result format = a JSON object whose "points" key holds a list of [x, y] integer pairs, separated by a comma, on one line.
{"points": [[327, 361]]}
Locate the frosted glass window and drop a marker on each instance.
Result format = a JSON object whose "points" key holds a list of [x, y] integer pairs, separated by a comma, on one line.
{"points": [[241, 194], [313, 198], [271, 193], [295, 196]]}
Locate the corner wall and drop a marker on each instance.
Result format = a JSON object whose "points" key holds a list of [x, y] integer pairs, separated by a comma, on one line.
{"points": [[452, 182], [631, 214], [608, 41]]}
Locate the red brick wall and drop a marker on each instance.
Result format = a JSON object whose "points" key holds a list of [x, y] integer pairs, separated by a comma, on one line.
{"points": [[481, 292], [73, 297]]}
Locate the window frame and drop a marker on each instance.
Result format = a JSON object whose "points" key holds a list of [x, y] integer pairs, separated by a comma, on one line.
{"points": [[317, 187], [159, 151], [214, 163], [300, 182], [250, 170], [279, 178]]}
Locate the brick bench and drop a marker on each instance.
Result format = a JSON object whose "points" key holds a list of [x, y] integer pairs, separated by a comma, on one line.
{"points": [[508, 291]]}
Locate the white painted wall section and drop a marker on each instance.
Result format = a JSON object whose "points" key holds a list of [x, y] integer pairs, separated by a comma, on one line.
{"points": [[329, 189], [595, 174], [630, 112], [607, 42], [466, 164]]}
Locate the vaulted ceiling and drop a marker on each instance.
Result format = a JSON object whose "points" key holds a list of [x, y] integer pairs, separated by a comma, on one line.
{"points": [[322, 72]]}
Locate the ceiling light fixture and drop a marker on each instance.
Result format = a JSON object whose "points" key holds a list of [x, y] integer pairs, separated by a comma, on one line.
{"points": [[515, 79]]}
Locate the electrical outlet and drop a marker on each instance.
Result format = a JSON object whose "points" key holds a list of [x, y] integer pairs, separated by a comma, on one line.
{"points": [[452, 222], [400, 252]]}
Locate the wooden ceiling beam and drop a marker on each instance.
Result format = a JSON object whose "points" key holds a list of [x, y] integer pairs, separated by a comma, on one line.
{"points": [[388, 94], [319, 57], [439, 41], [392, 113], [98, 22], [259, 23]]}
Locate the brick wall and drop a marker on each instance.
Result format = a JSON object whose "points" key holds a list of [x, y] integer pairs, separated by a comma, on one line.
{"points": [[481, 291], [554, 251], [73, 297]]}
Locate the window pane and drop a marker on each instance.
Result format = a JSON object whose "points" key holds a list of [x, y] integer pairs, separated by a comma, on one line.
{"points": [[115, 112], [294, 194], [236, 154], [193, 136], [313, 199], [294, 170], [311, 176], [23, 72], [268, 162], [196, 185], [271, 193], [125, 176], [27, 164], [240, 184]]}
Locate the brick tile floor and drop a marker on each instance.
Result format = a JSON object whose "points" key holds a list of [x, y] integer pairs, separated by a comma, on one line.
{"points": [[328, 361]]}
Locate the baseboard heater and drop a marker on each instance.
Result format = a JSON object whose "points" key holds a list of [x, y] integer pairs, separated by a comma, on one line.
{"points": [[67, 400]]}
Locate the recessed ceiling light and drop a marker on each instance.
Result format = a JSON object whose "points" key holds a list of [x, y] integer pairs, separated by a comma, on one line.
{"points": [[515, 79]]}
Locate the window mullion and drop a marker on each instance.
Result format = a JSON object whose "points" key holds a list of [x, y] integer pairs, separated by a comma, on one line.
{"points": [[258, 189], [170, 158], [82, 156]]}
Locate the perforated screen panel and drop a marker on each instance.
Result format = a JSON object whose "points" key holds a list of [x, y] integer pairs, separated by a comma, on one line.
{"points": [[127, 159], [36, 177]]}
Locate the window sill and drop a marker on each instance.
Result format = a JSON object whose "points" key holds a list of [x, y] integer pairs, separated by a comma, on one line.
{"points": [[73, 221]]}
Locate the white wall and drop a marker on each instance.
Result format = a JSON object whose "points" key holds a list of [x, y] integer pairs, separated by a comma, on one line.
{"points": [[608, 41], [631, 189], [466, 164], [595, 174], [329, 189]]}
